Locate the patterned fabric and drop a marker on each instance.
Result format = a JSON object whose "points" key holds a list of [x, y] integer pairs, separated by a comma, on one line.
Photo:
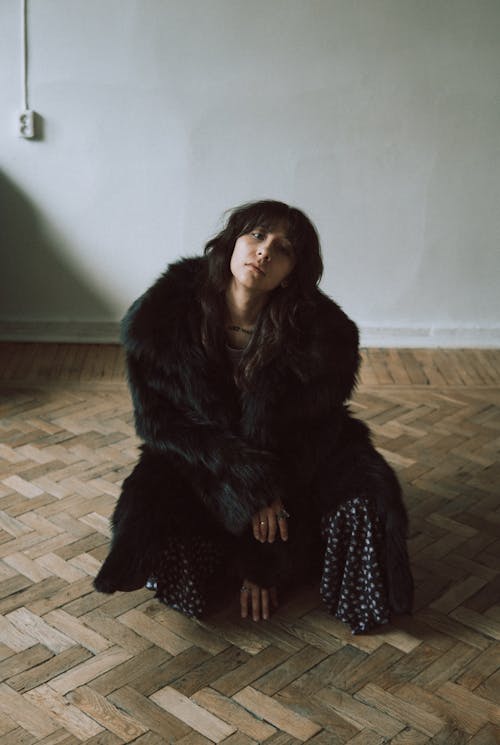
{"points": [[191, 574], [353, 584], [185, 574]]}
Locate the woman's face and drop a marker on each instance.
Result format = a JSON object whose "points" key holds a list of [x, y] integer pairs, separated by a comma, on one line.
{"points": [[262, 258]]}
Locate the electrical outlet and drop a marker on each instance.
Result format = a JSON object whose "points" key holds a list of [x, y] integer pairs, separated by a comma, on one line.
{"points": [[26, 124]]}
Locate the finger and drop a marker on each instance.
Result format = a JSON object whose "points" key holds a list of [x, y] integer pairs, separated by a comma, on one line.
{"points": [[263, 527], [265, 604], [256, 526], [273, 527], [283, 528], [255, 603], [283, 523], [244, 602]]}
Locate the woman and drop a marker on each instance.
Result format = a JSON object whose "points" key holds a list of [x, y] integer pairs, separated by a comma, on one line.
{"points": [[252, 467]]}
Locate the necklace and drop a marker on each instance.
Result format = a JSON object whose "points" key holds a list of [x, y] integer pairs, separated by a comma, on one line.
{"points": [[238, 328]]}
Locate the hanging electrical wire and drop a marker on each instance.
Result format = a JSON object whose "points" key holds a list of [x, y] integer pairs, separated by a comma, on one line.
{"points": [[27, 116], [24, 55]]}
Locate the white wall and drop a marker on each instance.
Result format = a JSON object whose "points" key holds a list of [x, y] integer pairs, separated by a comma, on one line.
{"points": [[380, 118]]}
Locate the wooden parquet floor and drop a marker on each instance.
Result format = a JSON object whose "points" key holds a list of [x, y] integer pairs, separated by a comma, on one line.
{"points": [[77, 666]]}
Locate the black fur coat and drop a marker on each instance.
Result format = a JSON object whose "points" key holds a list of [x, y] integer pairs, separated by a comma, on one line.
{"points": [[213, 455]]}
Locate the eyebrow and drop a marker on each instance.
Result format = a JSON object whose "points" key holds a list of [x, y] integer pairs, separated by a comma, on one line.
{"points": [[269, 229]]}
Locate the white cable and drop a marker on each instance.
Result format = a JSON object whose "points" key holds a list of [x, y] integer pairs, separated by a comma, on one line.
{"points": [[24, 58]]}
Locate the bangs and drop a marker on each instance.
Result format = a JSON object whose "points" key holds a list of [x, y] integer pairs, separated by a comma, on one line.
{"points": [[271, 215]]}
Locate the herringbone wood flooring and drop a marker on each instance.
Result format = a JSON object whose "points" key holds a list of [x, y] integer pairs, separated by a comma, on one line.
{"points": [[77, 666]]}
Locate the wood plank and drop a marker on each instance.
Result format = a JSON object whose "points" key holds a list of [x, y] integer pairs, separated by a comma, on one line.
{"points": [[232, 713], [90, 669], [188, 628], [172, 670], [106, 714], [154, 631], [477, 621], [193, 715], [142, 664], [12, 664], [165, 725], [356, 712], [114, 631], [41, 673], [254, 668], [74, 629], [468, 720], [275, 713], [28, 715], [407, 712], [29, 623], [13, 637], [465, 699], [289, 670], [62, 712], [209, 670]]}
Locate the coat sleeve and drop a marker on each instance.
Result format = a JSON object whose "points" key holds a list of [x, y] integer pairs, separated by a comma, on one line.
{"points": [[312, 415], [233, 479]]}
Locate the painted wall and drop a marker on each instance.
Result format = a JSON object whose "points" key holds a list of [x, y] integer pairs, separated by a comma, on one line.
{"points": [[380, 118]]}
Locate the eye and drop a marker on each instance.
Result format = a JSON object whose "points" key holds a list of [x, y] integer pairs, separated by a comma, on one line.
{"points": [[258, 235]]}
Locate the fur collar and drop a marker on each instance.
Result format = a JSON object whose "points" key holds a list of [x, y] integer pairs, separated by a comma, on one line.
{"points": [[166, 319], [154, 322]]}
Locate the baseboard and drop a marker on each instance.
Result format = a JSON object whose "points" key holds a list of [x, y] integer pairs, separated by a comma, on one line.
{"points": [[76, 332], [107, 332], [452, 337]]}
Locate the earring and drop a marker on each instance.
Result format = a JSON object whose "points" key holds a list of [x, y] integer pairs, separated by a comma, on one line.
{"points": [[284, 283]]}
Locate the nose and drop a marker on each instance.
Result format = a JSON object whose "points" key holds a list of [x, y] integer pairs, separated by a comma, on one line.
{"points": [[265, 248]]}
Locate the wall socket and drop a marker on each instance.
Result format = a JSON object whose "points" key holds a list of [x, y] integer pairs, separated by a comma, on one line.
{"points": [[26, 124]]}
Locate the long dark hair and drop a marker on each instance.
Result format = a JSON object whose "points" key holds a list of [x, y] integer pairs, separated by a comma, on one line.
{"points": [[278, 319]]}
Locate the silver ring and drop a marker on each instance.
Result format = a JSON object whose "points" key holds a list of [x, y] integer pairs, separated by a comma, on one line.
{"points": [[283, 515], [245, 589]]}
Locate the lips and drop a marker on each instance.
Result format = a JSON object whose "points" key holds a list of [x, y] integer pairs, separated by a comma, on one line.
{"points": [[254, 266]]}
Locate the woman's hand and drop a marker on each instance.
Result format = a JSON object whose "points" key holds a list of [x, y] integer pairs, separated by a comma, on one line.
{"points": [[256, 601], [269, 521]]}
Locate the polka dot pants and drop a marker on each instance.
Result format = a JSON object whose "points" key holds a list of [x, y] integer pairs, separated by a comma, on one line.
{"points": [[184, 574], [353, 578], [352, 583]]}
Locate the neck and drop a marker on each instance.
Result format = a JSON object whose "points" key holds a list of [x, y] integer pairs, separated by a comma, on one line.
{"points": [[243, 306]]}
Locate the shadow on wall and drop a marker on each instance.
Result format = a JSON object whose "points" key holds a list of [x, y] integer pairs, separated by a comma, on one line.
{"points": [[36, 284]]}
